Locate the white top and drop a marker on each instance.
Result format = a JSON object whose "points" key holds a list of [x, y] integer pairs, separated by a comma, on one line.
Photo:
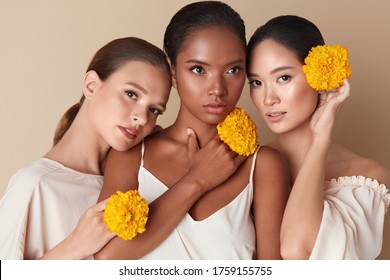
{"points": [[42, 206], [352, 222], [225, 235]]}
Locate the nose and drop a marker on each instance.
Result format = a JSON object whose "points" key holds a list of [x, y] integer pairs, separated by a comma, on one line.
{"points": [[140, 118], [271, 97], [217, 87]]}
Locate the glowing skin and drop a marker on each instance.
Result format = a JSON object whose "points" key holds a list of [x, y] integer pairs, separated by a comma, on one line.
{"points": [[211, 71], [279, 89], [125, 107]]}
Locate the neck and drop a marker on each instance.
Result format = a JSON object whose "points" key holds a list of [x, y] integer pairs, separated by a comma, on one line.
{"points": [[81, 147], [294, 146], [204, 131]]}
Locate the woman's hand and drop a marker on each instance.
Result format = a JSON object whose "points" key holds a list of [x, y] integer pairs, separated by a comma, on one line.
{"points": [[213, 164], [330, 103], [90, 236]]}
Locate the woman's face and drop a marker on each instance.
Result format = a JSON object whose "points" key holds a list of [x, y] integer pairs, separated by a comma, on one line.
{"points": [[125, 107], [210, 73], [278, 87]]}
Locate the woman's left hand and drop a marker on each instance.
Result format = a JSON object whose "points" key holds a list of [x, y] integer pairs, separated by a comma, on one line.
{"points": [[90, 236]]}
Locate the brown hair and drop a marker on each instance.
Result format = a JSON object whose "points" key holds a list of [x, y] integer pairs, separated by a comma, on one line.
{"points": [[109, 59]]}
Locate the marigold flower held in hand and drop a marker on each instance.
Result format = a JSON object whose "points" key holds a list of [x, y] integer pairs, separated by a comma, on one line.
{"points": [[126, 214], [326, 67], [239, 132]]}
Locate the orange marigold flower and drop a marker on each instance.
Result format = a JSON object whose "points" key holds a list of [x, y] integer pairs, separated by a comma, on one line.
{"points": [[126, 214], [326, 67], [239, 132]]}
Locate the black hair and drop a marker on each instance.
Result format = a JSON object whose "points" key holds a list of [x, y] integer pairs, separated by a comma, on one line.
{"points": [[198, 15], [295, 33]]}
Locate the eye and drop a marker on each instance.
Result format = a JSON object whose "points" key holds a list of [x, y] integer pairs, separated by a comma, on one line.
{"points": [[284, 78], [198, 70], [234, 70], [132, 94], [156, 111], [255, 83]]}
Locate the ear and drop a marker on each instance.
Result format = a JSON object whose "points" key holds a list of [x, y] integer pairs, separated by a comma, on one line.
{"points": [[91, 83], [173, 73]]}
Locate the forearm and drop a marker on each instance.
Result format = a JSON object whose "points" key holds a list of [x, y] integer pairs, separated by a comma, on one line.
{"points": [[63, 251], [304, 209], [165, 213], [210, 166]]}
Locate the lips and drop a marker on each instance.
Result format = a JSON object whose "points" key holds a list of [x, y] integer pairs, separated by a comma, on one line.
{"points": [[275, 116], [130, 133], [215, 107]]}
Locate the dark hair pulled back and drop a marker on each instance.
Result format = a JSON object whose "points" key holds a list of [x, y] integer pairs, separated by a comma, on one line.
{"points": [[295, 33], [196, 16]]}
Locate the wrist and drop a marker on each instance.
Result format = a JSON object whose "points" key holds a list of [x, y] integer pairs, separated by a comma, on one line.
{"points": [[60, 252], [321, 141], [194, 186], [71, 249]]}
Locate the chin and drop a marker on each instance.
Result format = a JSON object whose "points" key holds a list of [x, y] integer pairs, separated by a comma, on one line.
{"points": [[214, 119], [124, 147], [278, 129]]}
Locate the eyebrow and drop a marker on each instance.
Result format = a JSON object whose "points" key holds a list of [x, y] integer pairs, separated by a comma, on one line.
{"points": [[138, 87], [162, 105], [197, 61], [278, 69], [281, 69]]}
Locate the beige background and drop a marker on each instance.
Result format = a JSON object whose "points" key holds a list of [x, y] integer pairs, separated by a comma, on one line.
{"points": [[46, 46]]}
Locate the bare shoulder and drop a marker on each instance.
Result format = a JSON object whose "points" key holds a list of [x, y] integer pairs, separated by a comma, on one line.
{"points": [[347, 163], [271, 176], [158, 139], [271, 164], [270, 157], [376, 170], [369, 168]]}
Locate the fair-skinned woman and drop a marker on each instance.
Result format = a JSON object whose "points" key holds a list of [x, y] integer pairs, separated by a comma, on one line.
{"points": [[338, 200], [126, 87]]}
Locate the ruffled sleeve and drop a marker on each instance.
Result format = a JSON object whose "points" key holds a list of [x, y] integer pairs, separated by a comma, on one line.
{"points": [[353, 218]]}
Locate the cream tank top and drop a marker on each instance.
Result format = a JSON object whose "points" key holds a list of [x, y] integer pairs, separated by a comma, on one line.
{"points": [[227, 234]]}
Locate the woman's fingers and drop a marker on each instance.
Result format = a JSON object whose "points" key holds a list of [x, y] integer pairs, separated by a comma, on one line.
{"points": [[192, 143], [100, 206]]}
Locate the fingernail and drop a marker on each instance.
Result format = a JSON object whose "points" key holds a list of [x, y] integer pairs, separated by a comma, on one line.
{"points": [[189, 131]]}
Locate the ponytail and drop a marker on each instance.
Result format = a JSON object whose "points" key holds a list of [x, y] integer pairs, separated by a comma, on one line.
{"points": [[66, 121]]}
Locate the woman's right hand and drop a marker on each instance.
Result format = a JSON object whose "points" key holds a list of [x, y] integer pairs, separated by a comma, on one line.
{"points": [[330, 103], [91, 233], [211, 165]]}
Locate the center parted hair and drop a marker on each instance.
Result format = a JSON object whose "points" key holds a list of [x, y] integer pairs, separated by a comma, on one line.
{"points": [[197, 16]]}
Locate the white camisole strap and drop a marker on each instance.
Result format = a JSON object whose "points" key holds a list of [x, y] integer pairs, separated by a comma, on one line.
{"points": [[142, 153], [253, 165]]}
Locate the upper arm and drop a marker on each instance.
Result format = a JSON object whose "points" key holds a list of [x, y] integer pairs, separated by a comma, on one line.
{"points": [[121, 171], [271, 191]]}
